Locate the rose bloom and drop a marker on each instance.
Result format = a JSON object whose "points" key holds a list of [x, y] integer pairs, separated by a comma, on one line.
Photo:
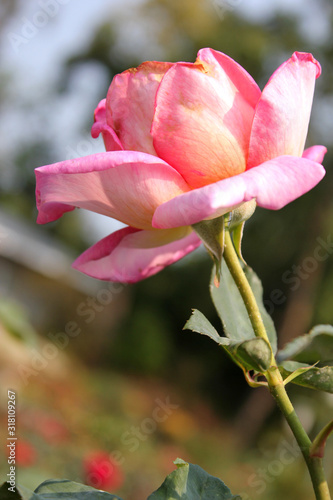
{"points": [[185, 142]]}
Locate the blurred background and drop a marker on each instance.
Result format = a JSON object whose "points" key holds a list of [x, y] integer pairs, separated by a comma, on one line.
{"points": [[92, 362]]}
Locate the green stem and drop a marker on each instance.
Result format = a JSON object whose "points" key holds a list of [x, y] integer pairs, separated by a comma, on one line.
{"points": [[273, 375]]}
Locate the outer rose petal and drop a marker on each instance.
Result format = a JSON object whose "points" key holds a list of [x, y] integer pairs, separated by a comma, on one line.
{"points": [[315, 153], [282, 116], [273, 184], [130, 105], [202, 122], [130, 255], [125, 185], [111, 141]]}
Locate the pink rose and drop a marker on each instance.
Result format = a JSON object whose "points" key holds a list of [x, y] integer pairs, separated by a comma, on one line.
{"points": [[185, 142]]}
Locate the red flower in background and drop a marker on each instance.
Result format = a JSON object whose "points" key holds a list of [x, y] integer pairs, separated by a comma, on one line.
{"points": [[51, 428], [25, 453], [102, 472]]}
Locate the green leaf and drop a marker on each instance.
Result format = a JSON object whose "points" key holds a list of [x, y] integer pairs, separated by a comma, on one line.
{"points": [[232, 311], [200, 324], [230, 307], [297, 373], [319, 378], [254, 354], [191, 482], [317, 345], [61, 489]]}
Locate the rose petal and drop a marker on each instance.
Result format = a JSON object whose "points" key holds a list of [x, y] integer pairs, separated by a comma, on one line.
{"points": [[273, 184], [125, 185], [111, 141], [282, 116], [202, 122], [129, 255], [315, 153], [225, 68], [130, 105]]}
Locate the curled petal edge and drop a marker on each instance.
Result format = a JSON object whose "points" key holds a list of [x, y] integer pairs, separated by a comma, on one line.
{"points": [[273, 184], [315, 153], [100, 126]]}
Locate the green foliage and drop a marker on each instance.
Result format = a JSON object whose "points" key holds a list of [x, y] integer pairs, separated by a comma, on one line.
{"points": [[317, 345], [232, 311], [297, 357], [61, 489], [320, 379], [254, 354], [190, 482], [244, 348], [251, 354], [200, 324]]}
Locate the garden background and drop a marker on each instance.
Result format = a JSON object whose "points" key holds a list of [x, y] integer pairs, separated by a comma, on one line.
{"points": [[105, 368]]}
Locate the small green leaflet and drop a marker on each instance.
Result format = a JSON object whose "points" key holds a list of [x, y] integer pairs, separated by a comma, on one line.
{"points": [[200, 324], [191, 482]]}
